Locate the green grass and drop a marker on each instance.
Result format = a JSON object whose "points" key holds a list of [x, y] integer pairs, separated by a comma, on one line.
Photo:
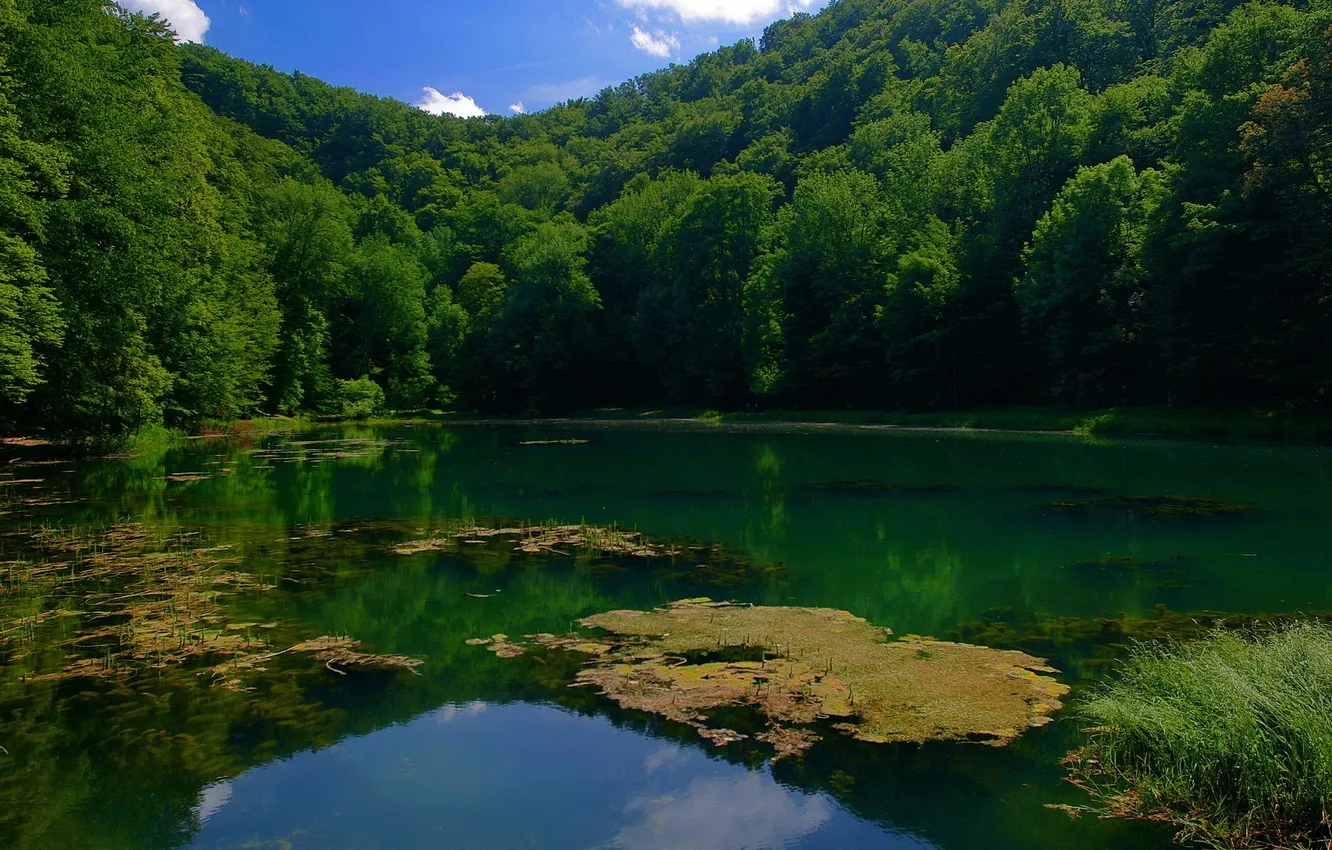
{"points": [[1229, 737], [246, 427]]}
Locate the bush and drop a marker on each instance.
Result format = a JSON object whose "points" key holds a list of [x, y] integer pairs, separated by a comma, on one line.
{"points": [[1229, 737], [360, 399]]}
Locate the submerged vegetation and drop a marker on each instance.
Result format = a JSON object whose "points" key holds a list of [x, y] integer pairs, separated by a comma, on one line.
{"points": [[672, 559], [799, 666], [1094, 644], [143, 601], [1229, 737], [1153, 506]]}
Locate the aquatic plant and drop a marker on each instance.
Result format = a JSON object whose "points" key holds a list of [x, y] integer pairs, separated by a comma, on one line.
{"points": [[1159, 507], [1168, 572], [1229, 737], [149, 599], [678, 559], [1091, 643], [800, 666]]}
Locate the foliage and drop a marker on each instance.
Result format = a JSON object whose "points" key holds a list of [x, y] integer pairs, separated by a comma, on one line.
{"points": [[1230, 737], [360, 399], [926, 204]]}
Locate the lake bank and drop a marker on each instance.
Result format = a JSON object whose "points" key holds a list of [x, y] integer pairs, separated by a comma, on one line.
{"points": [[1258, 425], [1265, 426]]}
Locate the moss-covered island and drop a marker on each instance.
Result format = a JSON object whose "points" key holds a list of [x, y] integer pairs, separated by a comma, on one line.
{"points": [[800, 666]]}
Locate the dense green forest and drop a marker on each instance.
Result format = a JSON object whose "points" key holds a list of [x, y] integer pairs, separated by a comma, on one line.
{"points": [[892, 204]]}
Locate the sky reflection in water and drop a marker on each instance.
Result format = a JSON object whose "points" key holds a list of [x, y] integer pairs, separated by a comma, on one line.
{"points": [[458, 776]]}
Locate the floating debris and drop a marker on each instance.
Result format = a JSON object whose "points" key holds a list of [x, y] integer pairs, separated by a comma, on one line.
{"points": [[500, 645], [315, 451], [534, 539], [800, 666]]}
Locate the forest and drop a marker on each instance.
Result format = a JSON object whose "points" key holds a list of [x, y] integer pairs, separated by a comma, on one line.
{"points": [[892, 204]]}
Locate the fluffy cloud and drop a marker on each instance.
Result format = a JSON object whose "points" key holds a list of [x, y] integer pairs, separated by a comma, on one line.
{"points": [[660, 45], [751, 811], [454, 104], [518, 108], [742, 12], [185, 16]]}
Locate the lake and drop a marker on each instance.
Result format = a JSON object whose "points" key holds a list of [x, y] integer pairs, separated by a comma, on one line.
{"points": [[228, 644]]}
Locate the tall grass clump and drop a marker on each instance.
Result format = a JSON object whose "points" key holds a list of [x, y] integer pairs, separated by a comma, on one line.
{"points": [[1229, 737]]}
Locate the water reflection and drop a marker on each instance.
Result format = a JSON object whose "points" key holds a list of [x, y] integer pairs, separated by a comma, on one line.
{"points": [[500, 776], [503, 753]]}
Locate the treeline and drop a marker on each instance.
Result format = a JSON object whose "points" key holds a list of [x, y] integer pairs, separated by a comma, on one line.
{"points": [[891, 204]]}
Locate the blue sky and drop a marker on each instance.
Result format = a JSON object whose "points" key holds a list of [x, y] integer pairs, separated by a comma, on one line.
{"points": [[465, 56]]}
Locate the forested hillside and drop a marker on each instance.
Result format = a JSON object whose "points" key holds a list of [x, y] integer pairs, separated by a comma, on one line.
{"points": [[890, 204]]}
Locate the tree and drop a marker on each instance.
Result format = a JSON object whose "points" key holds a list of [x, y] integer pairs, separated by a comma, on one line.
{"points": [[825, 280], [306, 230], [382, 322], [30, 319], [542, 341], [1083, 288], [689, 326]]}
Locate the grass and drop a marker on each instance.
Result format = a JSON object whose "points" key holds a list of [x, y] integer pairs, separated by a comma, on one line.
{"points": [[248, 427], [1228, 737]]}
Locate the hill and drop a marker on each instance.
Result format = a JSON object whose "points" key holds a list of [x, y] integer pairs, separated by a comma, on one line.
{"points": [[891, 204]]}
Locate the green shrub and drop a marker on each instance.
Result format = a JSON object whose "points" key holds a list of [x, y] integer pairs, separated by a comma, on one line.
{"points": [[1229, 737], [360, 399]]}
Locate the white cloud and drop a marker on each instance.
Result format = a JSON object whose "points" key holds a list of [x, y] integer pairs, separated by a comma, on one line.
{"points": [[185, 16], [660, 45], [211, 800], [751, 811], [742, 12], [454, 104], [518, 108], [453, 711]]}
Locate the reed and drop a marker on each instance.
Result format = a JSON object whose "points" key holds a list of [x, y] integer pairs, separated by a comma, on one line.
{"points": [[1229, 737]]}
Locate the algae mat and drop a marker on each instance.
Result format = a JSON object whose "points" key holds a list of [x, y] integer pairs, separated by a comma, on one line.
{"points": [[801, 666]]}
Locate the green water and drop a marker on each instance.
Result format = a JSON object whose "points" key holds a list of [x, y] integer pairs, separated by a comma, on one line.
{"points": [[475, 751]]}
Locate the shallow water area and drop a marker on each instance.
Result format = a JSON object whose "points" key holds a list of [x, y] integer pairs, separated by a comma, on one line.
{"points": [[165, 626]]}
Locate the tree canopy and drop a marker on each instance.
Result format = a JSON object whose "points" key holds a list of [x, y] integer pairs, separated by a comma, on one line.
{"points": [[889, 204]]}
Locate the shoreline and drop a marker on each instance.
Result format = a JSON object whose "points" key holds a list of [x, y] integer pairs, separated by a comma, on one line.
{"points": [[1273, 428]]}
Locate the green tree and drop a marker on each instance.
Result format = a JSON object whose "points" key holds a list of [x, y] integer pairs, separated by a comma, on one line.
{"points": [[543, 341], [382, 323], [306, 230], [1083, 288]]}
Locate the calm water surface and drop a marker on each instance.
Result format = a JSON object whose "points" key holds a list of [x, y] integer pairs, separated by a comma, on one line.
{"points": [[922, 532]]}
